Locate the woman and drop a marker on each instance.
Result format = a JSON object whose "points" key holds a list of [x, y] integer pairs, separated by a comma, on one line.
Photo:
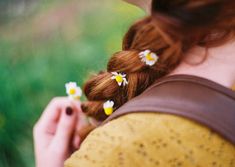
{"points": [[194, 38]]}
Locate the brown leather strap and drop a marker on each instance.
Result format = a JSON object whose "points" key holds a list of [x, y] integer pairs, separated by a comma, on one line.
{"points": [[196, 98]]}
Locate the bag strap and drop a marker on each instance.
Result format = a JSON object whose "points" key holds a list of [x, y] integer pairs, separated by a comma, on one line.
{"points": [[195, 98]]}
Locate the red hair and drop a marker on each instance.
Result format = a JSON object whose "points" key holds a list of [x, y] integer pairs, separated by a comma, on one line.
{"points": [[173, 28]]}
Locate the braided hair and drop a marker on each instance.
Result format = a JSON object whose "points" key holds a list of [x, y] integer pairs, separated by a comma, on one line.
{"points": [[173, 28]]}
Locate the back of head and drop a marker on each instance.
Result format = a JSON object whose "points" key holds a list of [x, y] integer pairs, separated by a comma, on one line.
{"points": [[173, 28]]}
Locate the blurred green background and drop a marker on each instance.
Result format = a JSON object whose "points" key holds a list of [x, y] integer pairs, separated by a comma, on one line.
{"points": [[43, 45]]}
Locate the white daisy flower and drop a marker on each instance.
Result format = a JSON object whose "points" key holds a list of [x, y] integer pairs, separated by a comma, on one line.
{"points": [[120, 78], [148, 57], [73, 91], [108, 107]]}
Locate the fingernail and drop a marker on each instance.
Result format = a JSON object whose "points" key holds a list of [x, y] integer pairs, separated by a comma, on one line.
{"points": [[69, 111]]}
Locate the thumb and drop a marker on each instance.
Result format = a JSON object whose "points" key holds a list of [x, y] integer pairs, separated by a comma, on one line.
{"points": [[64, 131]]}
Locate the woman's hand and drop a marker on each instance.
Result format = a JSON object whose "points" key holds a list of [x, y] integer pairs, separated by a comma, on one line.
{"points": [[54, 133]]}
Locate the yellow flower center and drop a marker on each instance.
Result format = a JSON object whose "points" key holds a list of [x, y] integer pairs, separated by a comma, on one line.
{"points": [[72, 91], [108, 111], [149, 57], [119, 78]]}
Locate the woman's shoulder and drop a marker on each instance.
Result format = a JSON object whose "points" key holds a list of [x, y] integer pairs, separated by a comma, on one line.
{"points": [[148, 139]]}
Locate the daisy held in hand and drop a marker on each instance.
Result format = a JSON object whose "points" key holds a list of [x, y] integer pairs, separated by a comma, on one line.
{"points": [[73, 91], [120, 78], [108, 107], [148, 57]]}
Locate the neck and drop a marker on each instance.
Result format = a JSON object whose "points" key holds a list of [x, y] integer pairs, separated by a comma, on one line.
{"points": [[219, 65]]}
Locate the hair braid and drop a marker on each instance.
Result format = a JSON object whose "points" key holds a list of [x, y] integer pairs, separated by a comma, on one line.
{"points": [[168, 39], [101, 87]]}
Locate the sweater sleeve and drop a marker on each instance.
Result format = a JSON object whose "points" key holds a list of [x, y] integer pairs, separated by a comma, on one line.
{"points": [[153, 140]]}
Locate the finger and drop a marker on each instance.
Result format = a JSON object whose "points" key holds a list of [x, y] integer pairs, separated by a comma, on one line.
{"points": [[76, 105], [82, 129], [65, 129], [51, 115], [76, 141], [52, 111]]}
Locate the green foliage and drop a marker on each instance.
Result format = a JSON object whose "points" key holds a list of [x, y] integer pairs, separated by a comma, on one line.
{"points": [[37, 57]]}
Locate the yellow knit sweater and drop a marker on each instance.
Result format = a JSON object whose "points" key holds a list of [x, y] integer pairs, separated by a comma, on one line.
{"points": [[153, 140]]}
